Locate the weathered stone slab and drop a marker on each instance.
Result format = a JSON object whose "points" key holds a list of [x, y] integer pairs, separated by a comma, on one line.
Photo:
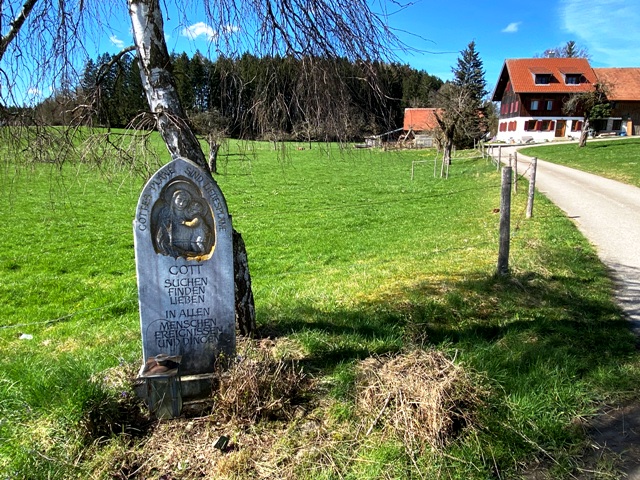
{"points": [[184, 262]]}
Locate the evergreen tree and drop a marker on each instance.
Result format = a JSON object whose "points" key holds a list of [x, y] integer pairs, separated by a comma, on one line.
{"points": [[135, 101], [570, 49], [181, 68], [197, 75], [89, 75], [112, 86], [469, 73], [106, 87], [469, 78]]}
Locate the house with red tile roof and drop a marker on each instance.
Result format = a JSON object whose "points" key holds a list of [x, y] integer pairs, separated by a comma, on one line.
{"points": [[532, 93]]}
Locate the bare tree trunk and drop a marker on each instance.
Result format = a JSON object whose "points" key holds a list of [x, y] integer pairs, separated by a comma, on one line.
{"points": [[448, 148], [160, 87], [449, 133], [584, 133], [245, 306], [213, 153]]}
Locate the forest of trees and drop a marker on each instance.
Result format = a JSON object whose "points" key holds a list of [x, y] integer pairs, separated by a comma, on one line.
{"points": [[250, 97]]}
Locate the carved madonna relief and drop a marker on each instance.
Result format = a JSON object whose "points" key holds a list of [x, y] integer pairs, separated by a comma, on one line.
{"points": [[182, 222]]}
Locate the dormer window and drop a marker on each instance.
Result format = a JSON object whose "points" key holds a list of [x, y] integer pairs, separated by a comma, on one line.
{"points": [[572, 78], [543, 78]]}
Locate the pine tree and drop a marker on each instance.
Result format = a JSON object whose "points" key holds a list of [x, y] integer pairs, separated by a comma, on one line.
{"points": [[469, 73], [471, 85], [570, 49], [89, 75]]}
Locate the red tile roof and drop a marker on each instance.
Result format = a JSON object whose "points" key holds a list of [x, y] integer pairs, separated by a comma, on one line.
{"points": [[420, 119], [522, 71], [623, 83]]}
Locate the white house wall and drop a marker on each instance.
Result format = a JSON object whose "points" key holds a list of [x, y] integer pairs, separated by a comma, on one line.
{"points": [[521, 135]]}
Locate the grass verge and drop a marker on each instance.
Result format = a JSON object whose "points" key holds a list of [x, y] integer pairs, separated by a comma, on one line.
{"points": [[352, 262], [615, 159]]}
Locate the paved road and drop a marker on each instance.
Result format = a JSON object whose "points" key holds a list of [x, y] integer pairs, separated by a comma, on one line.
{"points": [[608, 214]]}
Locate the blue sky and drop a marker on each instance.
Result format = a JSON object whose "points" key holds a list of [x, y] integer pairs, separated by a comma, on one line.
{"points": [[609, 29]]}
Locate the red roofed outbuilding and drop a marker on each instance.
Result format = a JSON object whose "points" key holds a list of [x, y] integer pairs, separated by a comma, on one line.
{"points": [[420, 126], [420, 120]]}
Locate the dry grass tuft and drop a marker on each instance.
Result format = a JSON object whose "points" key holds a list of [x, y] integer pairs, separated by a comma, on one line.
{"points": [[259, 386], [420, 397], [118, 410], [185, 449]]}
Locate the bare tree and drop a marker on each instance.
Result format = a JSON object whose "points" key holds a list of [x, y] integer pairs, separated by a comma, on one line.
{"points": [[213, 126], [569, 50], [456, 108], [591, 105]]}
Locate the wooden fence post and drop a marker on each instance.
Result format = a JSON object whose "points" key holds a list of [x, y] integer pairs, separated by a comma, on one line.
{"points": [[515, 172], [532, 187], [505, 222]]}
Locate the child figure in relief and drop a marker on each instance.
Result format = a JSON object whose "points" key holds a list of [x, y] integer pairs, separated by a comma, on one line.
{"points": [[182, 230], [198, 233]]}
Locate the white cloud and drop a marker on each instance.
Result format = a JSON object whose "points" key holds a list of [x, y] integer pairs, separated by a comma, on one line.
{"points": [[606, 28], [512, 27], [201, 29], [116, 41], [34, 92]]}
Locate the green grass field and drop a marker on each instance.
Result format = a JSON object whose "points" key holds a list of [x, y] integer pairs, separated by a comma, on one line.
{"points": [[350, 259], [615, 159]]}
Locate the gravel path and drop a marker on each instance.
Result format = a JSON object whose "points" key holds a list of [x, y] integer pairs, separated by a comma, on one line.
{"points": [[608, 214]]}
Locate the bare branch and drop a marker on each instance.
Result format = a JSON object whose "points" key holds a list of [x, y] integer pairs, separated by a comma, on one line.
{"points": [[16, 25], [105, 67]]}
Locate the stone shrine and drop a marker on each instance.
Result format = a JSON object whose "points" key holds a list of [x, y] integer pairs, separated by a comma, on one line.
{"points": [[184, 264]]}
